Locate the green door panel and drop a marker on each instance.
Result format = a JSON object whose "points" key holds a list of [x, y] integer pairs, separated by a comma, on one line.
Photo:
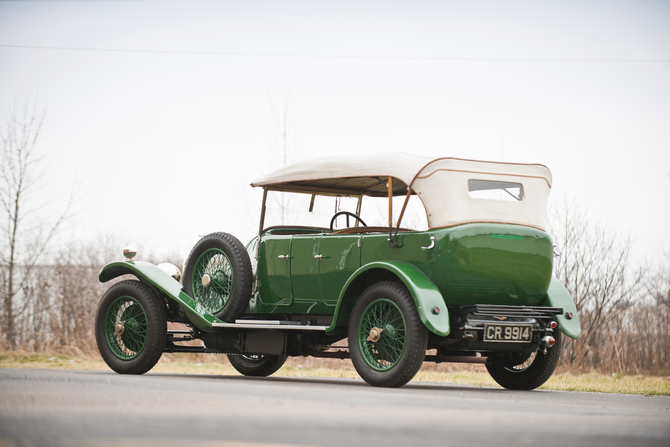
{"points": [[152, 275], [341, 257], [274, 274], [558, 296], [425, 294], [305, 268]]}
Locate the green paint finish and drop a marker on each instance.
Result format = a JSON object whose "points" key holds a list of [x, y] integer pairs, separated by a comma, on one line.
{"points": [[323, 274], [274, 271], [142, 270], [305, 267], [341, 258], [469, 266], [506, 236], [303, 273], [195, 312], [558, 296], [479, 269], [152, 275], [425, 294]]}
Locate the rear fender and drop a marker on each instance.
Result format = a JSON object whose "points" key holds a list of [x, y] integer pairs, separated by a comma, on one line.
{"points": [[425, 294], [558, 296], [155, 277]]}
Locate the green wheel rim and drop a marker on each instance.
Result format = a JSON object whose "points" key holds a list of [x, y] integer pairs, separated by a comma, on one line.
{"points": [[384, 353], [215, 264], [126, 327]]}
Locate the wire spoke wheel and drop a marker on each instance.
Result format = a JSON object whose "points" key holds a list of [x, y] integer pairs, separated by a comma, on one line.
{"points": [[126, 328], [214, 292], [218, 276], [387, 318], [387, 339]]}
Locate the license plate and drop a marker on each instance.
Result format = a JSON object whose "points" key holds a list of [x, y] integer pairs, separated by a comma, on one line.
{"points": [[520, 333]]}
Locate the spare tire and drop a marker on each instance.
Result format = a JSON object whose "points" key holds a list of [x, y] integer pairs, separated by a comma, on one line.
{"points": [[217, 275]]}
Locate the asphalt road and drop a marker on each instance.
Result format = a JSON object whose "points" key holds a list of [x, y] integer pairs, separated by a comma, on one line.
{"points": [[99, 408]]}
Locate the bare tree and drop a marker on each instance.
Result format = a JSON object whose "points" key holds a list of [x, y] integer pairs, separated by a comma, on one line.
{"points": [[285, 151], [595, 266], [24, 236]]}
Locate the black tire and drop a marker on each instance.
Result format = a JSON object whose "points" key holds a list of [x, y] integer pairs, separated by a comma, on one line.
{"points": [[392, 357], [257, 365], [225, 261], [531, 373], [130, 327]]}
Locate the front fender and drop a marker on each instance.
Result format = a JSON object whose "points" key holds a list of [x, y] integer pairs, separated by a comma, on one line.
{"points": [[558, 296], [152, 275], [425, 294]]}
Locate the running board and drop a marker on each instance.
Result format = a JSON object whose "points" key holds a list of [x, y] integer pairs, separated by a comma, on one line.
{"points": [[269, 324]]}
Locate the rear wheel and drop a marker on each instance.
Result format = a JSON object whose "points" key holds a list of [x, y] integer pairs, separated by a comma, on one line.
{"points": [[387, 339], [218, 276], [257, 365], [130, 327], [526, 372]]}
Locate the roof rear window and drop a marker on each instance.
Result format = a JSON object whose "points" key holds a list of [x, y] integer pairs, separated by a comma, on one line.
{"points": [[494, 190]]}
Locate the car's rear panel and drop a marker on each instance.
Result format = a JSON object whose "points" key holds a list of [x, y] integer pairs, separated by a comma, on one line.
{"points": [[478, 263], [496, 264]]}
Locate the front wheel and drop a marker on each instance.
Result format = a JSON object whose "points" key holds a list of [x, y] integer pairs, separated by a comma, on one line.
{"points": [[387, 339], [130, 327], [257, 365], [526, 372]]}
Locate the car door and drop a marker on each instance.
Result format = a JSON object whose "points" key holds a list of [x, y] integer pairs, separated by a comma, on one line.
{"points": [[305, 268], [340, 258], [274, 270]]}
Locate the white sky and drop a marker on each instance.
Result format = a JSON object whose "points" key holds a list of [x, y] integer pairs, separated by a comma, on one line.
{"points": [[166, 140]]}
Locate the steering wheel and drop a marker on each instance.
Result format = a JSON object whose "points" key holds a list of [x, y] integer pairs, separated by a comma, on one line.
{"points": [[347, 213]]}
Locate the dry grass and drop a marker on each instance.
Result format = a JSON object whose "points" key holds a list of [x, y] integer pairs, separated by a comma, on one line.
{"points": [[312, 367]]}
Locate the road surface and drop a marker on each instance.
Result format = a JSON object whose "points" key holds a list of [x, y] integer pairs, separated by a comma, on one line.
{"points": [[100, 408]]}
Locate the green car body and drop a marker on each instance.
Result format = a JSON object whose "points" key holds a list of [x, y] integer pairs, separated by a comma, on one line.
{"points": [[468, 264], [306, 287]]}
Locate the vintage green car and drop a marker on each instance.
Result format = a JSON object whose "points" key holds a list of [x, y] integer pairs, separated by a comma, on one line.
{"points": [[474, 284]]}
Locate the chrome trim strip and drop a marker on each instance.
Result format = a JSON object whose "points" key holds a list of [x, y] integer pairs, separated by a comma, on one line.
{"points": [[261, 324]]}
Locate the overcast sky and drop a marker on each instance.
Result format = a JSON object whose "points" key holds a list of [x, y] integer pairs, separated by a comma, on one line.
{"points": [[165, 110]]}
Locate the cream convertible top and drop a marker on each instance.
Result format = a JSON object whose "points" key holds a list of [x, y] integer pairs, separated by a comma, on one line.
{"points": [[441, 184]]}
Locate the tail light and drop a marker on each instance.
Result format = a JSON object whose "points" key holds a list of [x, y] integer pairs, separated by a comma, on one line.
{"points": [[547, 341]]}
